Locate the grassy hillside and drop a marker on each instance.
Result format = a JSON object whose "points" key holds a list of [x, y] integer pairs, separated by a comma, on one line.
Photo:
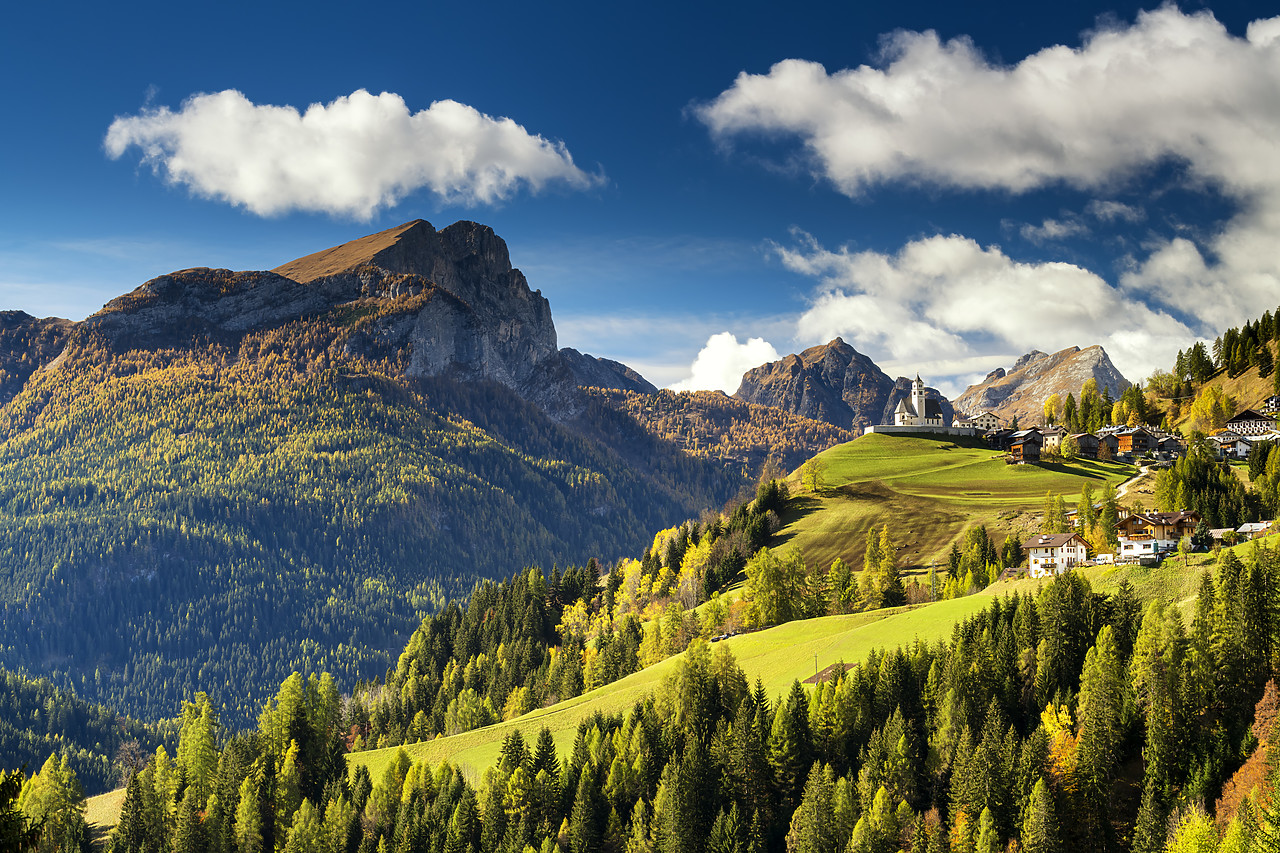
{"points": [[777, 656], [929, 490]]}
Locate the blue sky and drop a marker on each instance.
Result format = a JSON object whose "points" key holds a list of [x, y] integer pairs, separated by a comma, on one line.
{"points": [[694, 189]]}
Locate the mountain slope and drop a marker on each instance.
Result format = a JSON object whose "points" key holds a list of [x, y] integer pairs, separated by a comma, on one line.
{"points": [[1021, 391], [708, 424], [227, 476]]}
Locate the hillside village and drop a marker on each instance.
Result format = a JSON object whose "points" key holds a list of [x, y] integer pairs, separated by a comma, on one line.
{"points": [[1141, 536]]}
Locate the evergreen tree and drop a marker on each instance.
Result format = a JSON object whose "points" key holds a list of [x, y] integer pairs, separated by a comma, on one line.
{"points": [[1040, 826], [791, 748], [130, 834], [892, 592], [812, 824]]}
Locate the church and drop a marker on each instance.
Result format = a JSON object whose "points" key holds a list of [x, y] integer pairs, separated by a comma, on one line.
{"points": [[919, 413], [918, 410]]}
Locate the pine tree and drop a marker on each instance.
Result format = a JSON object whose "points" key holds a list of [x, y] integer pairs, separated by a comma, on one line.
{"points": [[584, 834], [892, 592], [1040, 826], [726, 833], [988, 835], [813, 821], [791, 748], [130, 835], [1103, 689]]}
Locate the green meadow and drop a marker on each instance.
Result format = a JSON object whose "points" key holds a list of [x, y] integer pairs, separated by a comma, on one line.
{"points": [[777, 656], [929, 490]]}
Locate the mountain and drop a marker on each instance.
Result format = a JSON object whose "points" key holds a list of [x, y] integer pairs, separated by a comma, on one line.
{"points": [[223, 477], [833, 383], [1021, 391]]}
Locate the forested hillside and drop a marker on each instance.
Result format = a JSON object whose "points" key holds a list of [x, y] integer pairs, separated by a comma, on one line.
{"points": [[710, 425], [38, 719], [226, 477], [1067, 719]]}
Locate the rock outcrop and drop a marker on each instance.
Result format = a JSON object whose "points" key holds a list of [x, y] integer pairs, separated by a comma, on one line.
{"points": [[26, 344], [592, 372], [833, 383], [1021, 391]]}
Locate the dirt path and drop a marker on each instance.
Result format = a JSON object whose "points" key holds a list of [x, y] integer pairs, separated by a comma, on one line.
{"points": [[1142, 482]]}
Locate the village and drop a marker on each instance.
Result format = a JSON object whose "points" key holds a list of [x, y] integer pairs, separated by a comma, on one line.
{"points": [[1146, 537]]}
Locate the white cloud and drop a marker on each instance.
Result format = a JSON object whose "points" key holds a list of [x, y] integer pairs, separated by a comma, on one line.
{"points": [[1053, 230], [722, 361], [1169, 88], [949, 304], [1114, 211], [353, 156]]}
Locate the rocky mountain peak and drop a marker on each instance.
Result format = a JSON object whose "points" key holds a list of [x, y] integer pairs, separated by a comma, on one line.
{"points": [[1035, 376], [832, 382], [442, 303], [1033, 356]]}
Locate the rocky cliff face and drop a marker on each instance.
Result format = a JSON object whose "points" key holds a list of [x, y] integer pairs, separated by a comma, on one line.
{"points": [[26, 345], [833, 383], [1021, 391], [449, 300]]}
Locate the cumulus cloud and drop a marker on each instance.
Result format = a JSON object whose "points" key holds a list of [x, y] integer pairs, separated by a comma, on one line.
{"points": [[944, 300], [723, 360], [1168, 88], [351, 157]]}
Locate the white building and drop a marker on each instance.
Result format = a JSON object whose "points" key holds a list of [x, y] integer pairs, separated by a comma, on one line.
{"points": [[916, 409], [985, 421], [1052, 554]]}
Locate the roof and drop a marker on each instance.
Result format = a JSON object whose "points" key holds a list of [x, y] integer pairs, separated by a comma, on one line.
{"points": [[1254, 527], [932, 409], [1249, 415], [1168, 517], [1051, 540]]}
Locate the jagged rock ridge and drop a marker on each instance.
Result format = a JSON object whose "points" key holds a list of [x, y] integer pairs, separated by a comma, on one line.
{"points": [[466, 313], [833, 383], [1021, 391]]}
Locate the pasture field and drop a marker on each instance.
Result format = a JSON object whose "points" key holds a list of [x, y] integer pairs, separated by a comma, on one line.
{"points": [[929, 490]]}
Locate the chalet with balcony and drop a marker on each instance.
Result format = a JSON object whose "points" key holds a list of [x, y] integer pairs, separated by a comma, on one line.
{"points": [[1135, 441], [1146, 533], [1230, 445], [1052, 436], [1024, 446], [1054, 553], [985, 421], [1087, 443]]}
